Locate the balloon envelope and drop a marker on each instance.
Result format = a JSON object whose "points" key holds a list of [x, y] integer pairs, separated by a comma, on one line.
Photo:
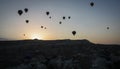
{"points": [[63, 17], [23, 34], [27, 21], [50, 17], [74, 33], [69, 17], [45, 28], [41, 26], [47, 13], [26, 10], [20, 12], [107, 27], [60, 22], [92, 4]]}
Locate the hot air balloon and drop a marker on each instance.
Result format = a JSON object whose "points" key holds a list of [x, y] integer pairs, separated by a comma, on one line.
{"points": [[45, 28], [74, 33], [50, 17], [47, 13], [41, 26], [26, 10], [63, 17], [92, 4], [69, 17], [23, 34], [27, 21], [107, 27], [60, 22], [20, 12]]}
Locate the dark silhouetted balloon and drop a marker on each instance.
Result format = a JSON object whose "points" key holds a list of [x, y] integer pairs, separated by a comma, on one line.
{"points": [[20, 12], [92, 4], [47, 13], [107, 27], [69, 17], [45, 28], [63, 17], [60, 22], [41, 26], [50, 17], [74, 33], [23, 34], [26, 10], [27, 21]]}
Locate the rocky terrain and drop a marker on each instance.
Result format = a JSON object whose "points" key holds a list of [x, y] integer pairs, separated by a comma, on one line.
{"points": [[58, 54]]}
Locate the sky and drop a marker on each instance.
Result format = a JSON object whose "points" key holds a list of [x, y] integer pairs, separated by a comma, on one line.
{"points": [[89, 22]]}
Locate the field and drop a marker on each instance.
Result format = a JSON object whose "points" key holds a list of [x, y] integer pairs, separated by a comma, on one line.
{"points": [[58, 54]]}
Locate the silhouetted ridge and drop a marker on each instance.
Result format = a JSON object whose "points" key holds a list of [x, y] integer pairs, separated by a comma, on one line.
{"points": [[86, 41], [3, 39], [22, 53]]}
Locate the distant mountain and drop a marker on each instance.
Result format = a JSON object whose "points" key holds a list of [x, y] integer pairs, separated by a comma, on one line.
{"points": [[3, 39]]}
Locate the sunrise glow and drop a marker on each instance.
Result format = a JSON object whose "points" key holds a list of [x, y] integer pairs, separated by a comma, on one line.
{"points": [[36, 36]]}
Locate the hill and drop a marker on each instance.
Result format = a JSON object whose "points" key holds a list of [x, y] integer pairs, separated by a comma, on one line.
{"points": [[58, 54]]}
